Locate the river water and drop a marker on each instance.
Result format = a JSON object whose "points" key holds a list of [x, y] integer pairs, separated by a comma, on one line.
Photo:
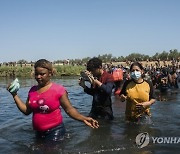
{"points": [[18, 137]]}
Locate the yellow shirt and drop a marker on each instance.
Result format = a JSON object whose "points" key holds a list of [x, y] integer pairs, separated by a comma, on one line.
{"points": [[137, 93]]}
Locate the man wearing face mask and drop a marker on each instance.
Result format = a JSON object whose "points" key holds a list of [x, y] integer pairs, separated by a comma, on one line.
{"points": [[101, 89], [139, 95]]}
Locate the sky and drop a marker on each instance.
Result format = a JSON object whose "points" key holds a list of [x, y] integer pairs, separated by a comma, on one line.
{"points": [[75, 29]]}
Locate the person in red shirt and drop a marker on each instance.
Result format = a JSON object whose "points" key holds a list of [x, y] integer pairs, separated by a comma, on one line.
{"points": [[44, 101]]}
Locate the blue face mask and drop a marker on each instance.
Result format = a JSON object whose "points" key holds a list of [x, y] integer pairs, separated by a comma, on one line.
{"points": [[136, 75]]}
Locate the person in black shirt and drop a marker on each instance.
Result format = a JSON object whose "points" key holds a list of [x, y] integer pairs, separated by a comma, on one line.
{"points": [[101, 89]]}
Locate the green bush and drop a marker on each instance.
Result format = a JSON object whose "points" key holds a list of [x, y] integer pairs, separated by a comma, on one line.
{"points": [[27, 71]]}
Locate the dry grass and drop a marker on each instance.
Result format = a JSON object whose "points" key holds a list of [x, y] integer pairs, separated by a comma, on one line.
{"points": [[145, 63]]}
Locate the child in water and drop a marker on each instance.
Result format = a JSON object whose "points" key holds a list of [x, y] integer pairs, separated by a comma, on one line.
{"points": [[139, 95], [44, 101]]}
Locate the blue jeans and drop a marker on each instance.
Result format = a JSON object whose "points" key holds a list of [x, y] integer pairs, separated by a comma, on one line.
{"points": [[55, 134]]}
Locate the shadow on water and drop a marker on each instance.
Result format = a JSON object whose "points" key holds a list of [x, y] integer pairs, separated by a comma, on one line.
{"points": [[17, 135]]}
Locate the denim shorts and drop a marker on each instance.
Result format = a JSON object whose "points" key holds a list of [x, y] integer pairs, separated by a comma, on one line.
{"points": [[55, 134]]}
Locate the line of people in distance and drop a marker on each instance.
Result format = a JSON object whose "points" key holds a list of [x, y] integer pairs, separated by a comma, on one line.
{"points": [[45, 98], [163, 78]]}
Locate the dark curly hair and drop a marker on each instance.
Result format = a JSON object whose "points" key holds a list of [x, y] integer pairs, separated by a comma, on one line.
{"points": [[94, 63]]}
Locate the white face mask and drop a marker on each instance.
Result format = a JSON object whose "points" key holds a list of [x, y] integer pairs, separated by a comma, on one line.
{"points": [[136, 75]]}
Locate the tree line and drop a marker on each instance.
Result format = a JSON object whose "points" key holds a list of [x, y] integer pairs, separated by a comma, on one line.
{"points": [[164, 56]]}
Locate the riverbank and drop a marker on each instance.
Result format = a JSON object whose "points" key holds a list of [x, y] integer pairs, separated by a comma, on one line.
{"points": [[28, 71], [149, 63], [66, 70]]}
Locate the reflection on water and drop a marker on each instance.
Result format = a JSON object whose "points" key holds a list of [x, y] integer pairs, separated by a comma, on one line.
{"points": [[170, 95], [17, 135]]}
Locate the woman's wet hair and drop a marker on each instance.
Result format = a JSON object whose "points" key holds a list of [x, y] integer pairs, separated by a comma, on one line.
{"points": [[43, 63], [94, 63], [136, 64]]}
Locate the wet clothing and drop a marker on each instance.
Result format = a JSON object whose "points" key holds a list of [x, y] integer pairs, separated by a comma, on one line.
{"points": [[137, 93], [163, 83], [55, 134], [143, 119], [102, 103], [174, 79], [46, 107]]}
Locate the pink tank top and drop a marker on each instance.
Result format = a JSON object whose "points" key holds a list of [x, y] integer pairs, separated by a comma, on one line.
{"points": [[46, 107]]}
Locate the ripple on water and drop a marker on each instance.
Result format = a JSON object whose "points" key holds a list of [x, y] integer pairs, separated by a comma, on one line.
{"points": [[17, 135]]}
